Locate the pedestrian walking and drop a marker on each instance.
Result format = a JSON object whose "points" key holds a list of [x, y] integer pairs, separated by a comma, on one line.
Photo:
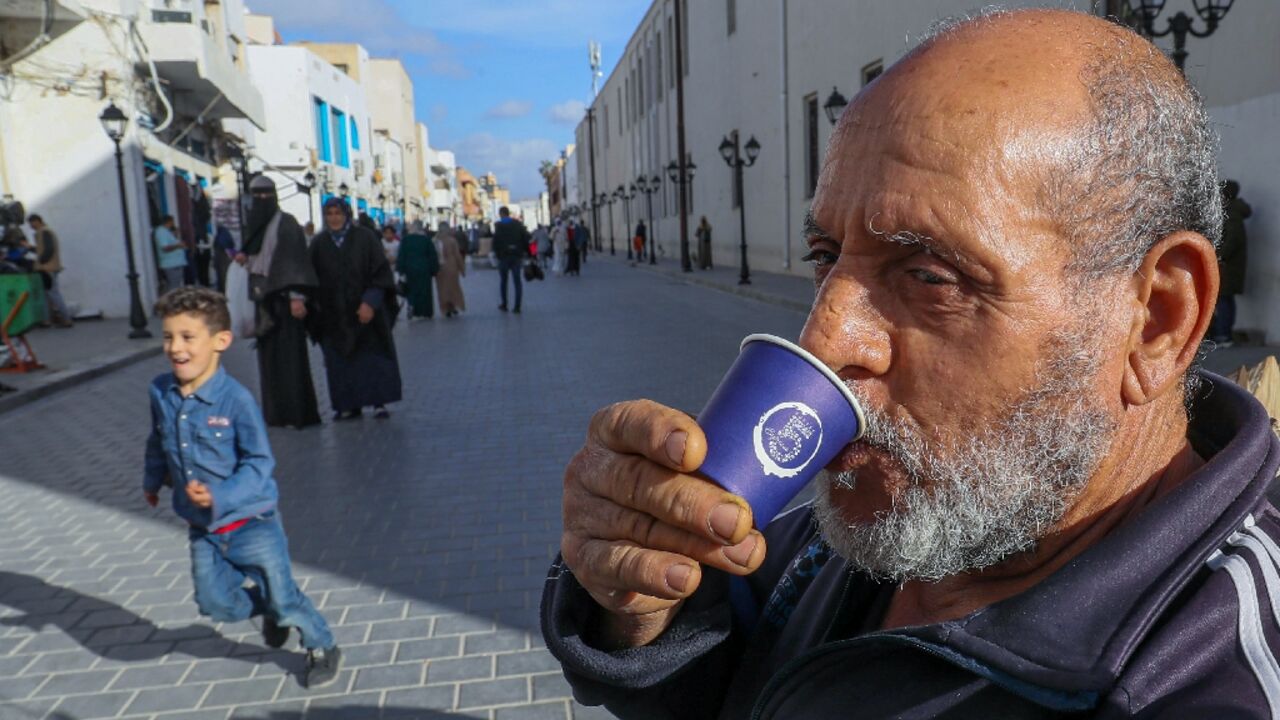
{"points": [[703, 234], [642, 236], [559, 248], [541, 246], [582, 238], [171, 254], [452, 267], [356, 302], [511, 245], [208, 444], [49, 265], [281, 282], [574, 263], [1232, 262], [418, 262], [390, 244], [224, 249]]}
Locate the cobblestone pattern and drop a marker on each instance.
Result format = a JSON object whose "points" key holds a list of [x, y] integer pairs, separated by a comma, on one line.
{"points": [[424, 540]]}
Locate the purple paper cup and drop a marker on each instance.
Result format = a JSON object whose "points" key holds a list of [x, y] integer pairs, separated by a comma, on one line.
{"points": [[779, 416]]}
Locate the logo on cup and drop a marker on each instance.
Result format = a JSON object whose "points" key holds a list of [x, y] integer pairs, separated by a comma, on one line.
{"points": [[787, 439]]}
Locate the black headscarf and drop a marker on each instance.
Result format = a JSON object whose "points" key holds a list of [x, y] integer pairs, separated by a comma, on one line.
{"points": [[335, 201], [260, 214]]}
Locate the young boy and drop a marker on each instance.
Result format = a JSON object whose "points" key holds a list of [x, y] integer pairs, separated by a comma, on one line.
{"points": [[209, 444]]}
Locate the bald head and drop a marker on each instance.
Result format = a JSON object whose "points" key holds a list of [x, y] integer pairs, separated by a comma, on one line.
{"points": [[1114, 138]]}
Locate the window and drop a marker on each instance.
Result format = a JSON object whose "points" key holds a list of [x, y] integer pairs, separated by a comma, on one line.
{"points": [[872, 71], [640, 106], [731, 14], [622, 109], [810, 144], [355, 133], [671, 47], [606, 126], [657, 68], [340, 155], [684, 42], [323, 144]]}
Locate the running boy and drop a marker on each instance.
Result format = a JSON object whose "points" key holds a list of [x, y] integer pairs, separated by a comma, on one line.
{"points": [[209, 444]]}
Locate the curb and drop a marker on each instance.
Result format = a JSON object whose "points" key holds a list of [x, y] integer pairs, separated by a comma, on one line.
{"points": [[690, 278], [75, 376]]}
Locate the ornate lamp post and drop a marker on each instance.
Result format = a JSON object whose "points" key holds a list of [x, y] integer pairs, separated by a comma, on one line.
{"points": [[342, 193], [307, 184], [649, 186], [606, 198], [834, 106], [382, 207], [622, 194], [681, 174], [239, 163], [731, 152], [1181, 24], [114, 123]]}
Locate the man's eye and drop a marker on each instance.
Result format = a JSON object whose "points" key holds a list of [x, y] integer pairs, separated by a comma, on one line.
{"points": [[929, 278], [819, 258]]}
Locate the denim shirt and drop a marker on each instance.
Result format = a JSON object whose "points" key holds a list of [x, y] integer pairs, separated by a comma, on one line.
{"points": [[215, 435]]}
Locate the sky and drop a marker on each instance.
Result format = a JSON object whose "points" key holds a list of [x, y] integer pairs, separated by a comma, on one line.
{"points": [[502, 83]]}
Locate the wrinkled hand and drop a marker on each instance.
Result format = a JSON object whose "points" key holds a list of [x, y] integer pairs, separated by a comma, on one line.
{"points": [[365, 313], [638, 527], [198, 494], [151, 498], [298, 309]]}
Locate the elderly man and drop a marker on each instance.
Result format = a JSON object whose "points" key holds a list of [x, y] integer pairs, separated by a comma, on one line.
{"points": [[1012, 239]]}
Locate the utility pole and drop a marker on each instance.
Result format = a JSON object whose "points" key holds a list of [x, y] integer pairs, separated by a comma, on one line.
{"points": [[685, 264], [594, 55]]}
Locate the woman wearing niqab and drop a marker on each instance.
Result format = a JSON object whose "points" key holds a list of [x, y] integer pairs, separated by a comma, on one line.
{"points": [[352, 325]]}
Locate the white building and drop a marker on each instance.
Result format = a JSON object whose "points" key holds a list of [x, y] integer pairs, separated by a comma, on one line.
{"points": [[176, 68], [765, 70], [317, 121]]}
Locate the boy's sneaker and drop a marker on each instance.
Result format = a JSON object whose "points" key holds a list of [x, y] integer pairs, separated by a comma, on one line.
{"points": [[323, 666], [274, 635]]}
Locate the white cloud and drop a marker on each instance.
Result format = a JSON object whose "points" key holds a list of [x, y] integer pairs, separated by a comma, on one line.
{"points": [[569, 112], [382, 29], [510, 109], [515, 162]]}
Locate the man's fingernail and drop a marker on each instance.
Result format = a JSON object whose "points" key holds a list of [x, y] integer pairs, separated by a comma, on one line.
{"points": [[740, 554], [723, 521], [675, 446], [678, 577]]}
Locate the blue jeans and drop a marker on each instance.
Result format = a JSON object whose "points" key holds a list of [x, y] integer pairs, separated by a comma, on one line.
{"points": [[258, 551], [514, 267]]}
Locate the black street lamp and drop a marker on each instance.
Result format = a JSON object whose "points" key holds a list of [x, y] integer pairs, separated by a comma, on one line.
{"points": [[834, 106], [606, 198], [1181, 24], [682, 177], [730, 151], [622, 194], [649, 186], [114, 123], [308, 184]]}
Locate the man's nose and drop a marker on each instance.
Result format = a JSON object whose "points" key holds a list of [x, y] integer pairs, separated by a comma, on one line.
{"points": [[846, 331]]}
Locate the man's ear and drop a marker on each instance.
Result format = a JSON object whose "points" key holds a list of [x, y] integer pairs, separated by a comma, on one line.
{"points": [[1174, 292], [222, 340]]}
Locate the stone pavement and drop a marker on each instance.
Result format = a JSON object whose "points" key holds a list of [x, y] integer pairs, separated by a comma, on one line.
{"points": [[424, 539]]}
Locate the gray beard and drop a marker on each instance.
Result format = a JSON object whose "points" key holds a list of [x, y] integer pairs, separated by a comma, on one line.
{"points": [[972, 501]]}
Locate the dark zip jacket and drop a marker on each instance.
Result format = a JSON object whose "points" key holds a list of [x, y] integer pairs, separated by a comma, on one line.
{"points": [[1174, 614]]}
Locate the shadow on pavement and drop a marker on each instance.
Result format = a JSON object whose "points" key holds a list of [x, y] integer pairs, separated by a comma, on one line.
{"points": [[110, 631]]}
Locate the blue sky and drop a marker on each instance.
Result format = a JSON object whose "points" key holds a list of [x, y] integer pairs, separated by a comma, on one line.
{"points": [[502, 83]]}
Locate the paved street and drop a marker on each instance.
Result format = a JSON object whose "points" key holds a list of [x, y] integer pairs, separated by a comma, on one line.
{"points": [[424, 540]]}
